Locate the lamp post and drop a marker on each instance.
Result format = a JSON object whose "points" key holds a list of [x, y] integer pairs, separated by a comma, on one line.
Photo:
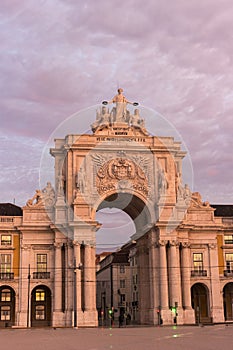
{"points": [[75, 295]]}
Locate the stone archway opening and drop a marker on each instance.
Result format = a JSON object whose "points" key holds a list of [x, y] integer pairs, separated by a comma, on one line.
{"points": [[41, 306], [132, 205], [200, 303], [228, 301], [117, 229], [7, 306], [114, 285]]}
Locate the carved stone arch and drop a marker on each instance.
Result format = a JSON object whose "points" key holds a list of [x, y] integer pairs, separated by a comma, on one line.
{"points": [[121, 174], [132, 204], [7, 306]]}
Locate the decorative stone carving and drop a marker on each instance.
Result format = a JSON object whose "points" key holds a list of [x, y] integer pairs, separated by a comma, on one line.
{"points": [[81, 180], [185, 244], [196, 201], [212, 245], [26, 246], [162, 182], [46, 197], [36, 200], [57, 245], [179, 187], [118, 114], [161, 242], [187, 193], [102, 119], [121, 173], [60, 185], [174, 243], [120, 109]]}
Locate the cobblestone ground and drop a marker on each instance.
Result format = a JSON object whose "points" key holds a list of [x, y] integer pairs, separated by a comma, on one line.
{"points": [[215, 337]]}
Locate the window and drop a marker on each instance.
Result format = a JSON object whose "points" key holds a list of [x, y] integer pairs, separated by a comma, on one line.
{"points": [[122, 269], [5, 263], [5, 313], [229, 262], [5, 239], [122, 283], [122, 298], [40, 312], [6, 295], [228, 239], [40, 295], [135, 279], [198, 261], [41, 262]]}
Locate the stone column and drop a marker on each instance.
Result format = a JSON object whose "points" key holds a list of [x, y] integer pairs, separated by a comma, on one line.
{"points": [[77, 272], [163, 278], [174, 275], [188, 313], [58, 316], [69, 283], [143, 282], [24, 312], [153, 282], [89, 278], [57, 277], [185, 274], [90, 312], [216, 304]]}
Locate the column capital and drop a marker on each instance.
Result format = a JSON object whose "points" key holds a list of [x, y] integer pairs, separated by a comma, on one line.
{"points": [[174, 243], [212, 245], [26, 246], [90, 244], [57, 245], [161, 243], [76, 244], [185, 244]]}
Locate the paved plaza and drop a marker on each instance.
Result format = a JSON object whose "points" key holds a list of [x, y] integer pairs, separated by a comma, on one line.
{"points": [[157, 338]]}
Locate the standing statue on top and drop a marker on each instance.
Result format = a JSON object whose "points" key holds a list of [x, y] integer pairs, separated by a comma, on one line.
{"points": [[121, 104]]}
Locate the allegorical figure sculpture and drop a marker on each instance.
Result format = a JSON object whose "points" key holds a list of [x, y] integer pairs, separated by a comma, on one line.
{"points": [[121, 103], [119, 114], [46, 197]]}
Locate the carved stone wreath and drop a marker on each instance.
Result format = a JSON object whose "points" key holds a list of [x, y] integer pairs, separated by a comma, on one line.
{"points": [[121, 174]]}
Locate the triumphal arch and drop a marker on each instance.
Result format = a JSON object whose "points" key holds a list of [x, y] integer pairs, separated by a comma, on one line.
{"points": [[120, 164]]}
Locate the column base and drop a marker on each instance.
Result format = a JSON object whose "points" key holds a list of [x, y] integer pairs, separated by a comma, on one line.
{"points": [[87, 318], [167, 317], [189, 316], [58, 319], [22, 319], [218, 315]]}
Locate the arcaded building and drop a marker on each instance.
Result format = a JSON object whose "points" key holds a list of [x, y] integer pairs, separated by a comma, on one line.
{"points": [[182, 251]]}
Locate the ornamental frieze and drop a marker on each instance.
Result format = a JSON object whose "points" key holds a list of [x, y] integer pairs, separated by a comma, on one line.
{"points": [[121, 174]]}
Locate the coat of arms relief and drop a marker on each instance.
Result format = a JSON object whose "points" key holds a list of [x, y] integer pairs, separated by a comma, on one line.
{"points": [[121, 174]]}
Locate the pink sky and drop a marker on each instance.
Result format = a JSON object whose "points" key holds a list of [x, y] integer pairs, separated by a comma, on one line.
{"points": [[58, 57]]}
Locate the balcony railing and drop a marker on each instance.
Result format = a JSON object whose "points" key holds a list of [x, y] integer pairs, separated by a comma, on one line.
{"points": [[6, 275], [41, 275], [198, 273], [228, 273]]}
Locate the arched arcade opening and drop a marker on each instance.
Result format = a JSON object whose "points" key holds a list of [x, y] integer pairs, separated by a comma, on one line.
{"points": [[41, 306], [228, 301], [7, 306], [200, 303]]}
